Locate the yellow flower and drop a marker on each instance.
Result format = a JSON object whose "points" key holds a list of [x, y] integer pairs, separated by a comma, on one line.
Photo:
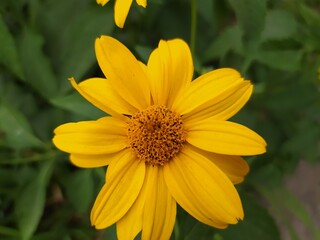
{"points": [[167, 140], [121, 9]]}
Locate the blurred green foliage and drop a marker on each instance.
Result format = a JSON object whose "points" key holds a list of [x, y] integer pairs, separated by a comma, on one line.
{"points": [[275, 43]]}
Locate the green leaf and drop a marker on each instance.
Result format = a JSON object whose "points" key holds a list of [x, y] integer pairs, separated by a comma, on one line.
{"points": [[143, 52], [8, 51], [6, 231], [53, 234], [77, 104], [37, 67], [251, 16], [304, 143], [282, 201], [31, 201], [309, 34], [14, 125], [72, 50], [188, 228], [280, 24], [205, 9], [287, 60], [257, 223], [298, 209], [310, 15], [13, 92], [80, 189], [78, 41], [269, 176], [229, 39], [199, 231], [110, 233]]}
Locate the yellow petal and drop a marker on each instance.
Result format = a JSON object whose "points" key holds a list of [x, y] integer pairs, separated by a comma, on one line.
{"points": [[159, 209], [125, 177], [208, 90], [225, 138], [102, 2], [142, 3], [202, 189], [233, 100], [123, 71], [104, 136], [131, 223], [170, 69], [235, 167], [92, 161], [121, 10], [100, 93]]}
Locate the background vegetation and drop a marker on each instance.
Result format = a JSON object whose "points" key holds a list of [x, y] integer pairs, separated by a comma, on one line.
{"points": [[275, 43]]}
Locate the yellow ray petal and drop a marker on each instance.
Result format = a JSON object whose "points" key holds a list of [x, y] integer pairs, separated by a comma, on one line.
{"points": [[202, 189], [104, 136], [235, 167], [207, 90], [225, 138], [100, 93], [233, 100], [102, 2], [170, 69], [92, 161], [123, 71], [124, 181], [159, 208], [131, 223], [121, 10], [142, 3]]}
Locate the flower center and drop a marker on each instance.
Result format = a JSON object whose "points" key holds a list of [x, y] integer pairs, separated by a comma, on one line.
{"points": [[156, 134]]}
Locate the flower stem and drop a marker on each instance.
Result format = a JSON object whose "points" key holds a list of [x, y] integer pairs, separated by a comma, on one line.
{"points": [[52, 154], [193, 26]]}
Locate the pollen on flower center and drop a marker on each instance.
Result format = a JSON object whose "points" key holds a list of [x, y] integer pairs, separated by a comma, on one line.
{"points": [[156, 134]]}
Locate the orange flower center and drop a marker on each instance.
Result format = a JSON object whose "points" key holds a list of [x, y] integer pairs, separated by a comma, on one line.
{"points": [[156, 134]]}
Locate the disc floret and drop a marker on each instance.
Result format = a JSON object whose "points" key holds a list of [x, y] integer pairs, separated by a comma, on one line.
{"points": [[156, 134]]}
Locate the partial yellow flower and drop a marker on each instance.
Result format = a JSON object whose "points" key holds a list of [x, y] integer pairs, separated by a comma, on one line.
{"points": [[167, 140], [121, 9]]}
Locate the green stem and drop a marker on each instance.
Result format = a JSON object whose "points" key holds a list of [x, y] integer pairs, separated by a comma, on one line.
{"points": [[5, 231], [35, 158], [193, 26]]}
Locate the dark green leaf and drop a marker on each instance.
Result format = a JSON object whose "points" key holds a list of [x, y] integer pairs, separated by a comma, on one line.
{"points": [[284, 203], [143, 52], [14, 125], [251, 16], [280, 24], [8, 52], [10, 232], [31, 201], [78, 41], [77, 104], [310, 15], [269, 176], [205, 9], [80, 189], [110, 233], [304, 143], [72, 50], [257, 223], [288, 60], [199, 231], [229, 39], [188, 228], [36, 65]]}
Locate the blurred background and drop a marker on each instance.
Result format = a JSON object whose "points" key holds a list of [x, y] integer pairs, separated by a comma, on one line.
{"points": [[274, 43]]}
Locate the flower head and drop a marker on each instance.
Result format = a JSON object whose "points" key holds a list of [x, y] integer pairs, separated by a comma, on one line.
{"points": [[167, 140], [121, 9]]}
